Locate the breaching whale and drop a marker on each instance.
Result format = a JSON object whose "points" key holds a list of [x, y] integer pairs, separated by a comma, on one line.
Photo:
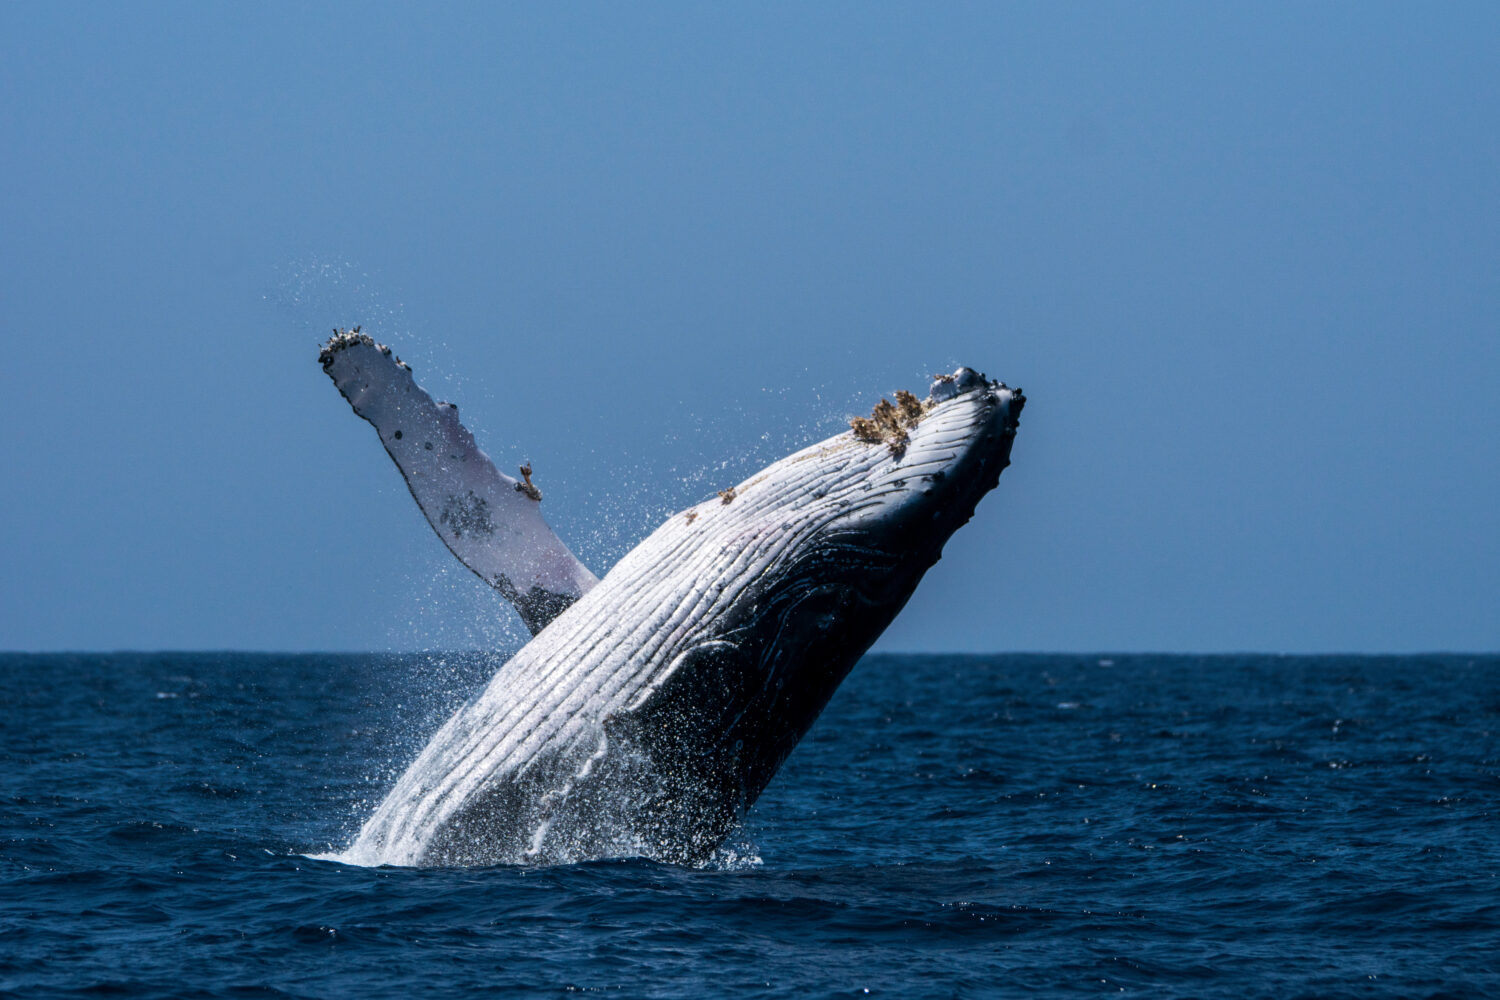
{"points": [[653, 706]]}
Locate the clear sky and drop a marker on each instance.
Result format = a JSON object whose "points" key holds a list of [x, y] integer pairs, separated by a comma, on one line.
{"points": [[1245, 261]]}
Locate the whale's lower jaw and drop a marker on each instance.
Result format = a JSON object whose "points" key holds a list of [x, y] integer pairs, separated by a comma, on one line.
{"points": [[650, 714]]}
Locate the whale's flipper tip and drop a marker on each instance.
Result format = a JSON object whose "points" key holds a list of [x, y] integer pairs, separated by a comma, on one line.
{"points": [[344, 339], [489, 520]]}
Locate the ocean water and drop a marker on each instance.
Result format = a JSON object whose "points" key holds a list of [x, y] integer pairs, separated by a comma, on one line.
{"points": [[980, 826]]}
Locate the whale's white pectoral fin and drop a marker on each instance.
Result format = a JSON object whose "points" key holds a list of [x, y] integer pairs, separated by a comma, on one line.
{"points": [[490, 521]]}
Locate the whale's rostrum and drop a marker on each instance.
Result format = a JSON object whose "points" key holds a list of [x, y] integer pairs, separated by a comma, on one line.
{"points": [[656, 706]]}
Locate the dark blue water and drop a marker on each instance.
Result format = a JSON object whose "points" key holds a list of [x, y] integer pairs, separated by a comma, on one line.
{"points": [[953, 827]]}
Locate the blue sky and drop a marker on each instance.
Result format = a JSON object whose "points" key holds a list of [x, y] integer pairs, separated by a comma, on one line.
{"points": [[1243, 259]]}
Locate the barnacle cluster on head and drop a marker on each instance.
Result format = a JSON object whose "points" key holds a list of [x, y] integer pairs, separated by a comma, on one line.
{"points": [[889, 422], [343, 339]]}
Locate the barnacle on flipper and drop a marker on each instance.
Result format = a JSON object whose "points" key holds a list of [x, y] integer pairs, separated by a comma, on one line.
{"points": [[526, 486], [342, 339]]}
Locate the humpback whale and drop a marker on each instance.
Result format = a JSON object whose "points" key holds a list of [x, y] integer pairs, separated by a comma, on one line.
{"points": [[653, 706]]}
